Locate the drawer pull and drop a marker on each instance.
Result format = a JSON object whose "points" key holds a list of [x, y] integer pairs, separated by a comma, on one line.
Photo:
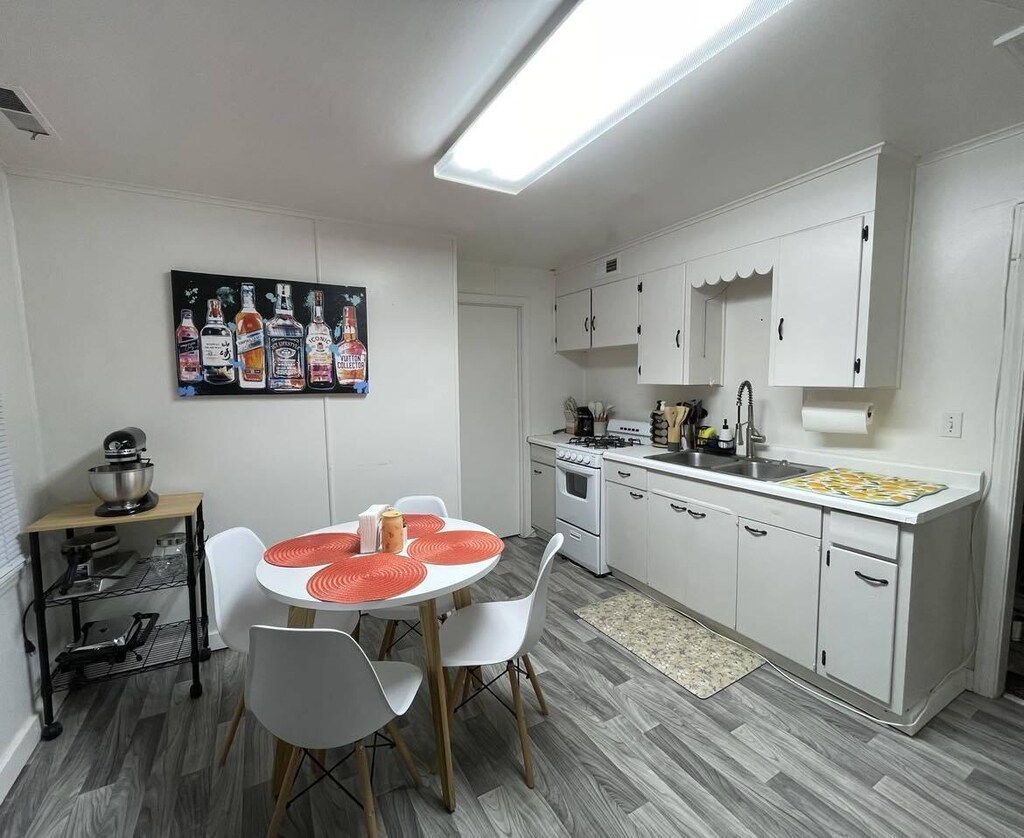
{"points": [[697, 515], [753, 531], [677, 508], [635, 495], [575, 536], [871, 579], [624, 473], [537, 471]]}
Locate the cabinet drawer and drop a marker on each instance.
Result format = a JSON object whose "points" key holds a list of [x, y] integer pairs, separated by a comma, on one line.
{"points": [[542, 454], [867, 535], [626, 475], [790, 515]]}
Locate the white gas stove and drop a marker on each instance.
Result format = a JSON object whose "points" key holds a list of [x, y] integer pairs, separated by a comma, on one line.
{"points": [[578, 478]]}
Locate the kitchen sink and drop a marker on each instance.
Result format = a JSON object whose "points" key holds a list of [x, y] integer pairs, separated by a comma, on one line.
{"points": [[768, 470], [694, 459]]}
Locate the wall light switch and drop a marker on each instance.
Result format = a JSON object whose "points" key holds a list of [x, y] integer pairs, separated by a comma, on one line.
{"points": [[952, 425]]}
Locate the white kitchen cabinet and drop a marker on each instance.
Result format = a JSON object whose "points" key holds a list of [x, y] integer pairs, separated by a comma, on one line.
{"points": [[542, 497], [777, 589], [625, 542], [613, 314], [857, 621], [667, 526], [660, 357], [709, 552], [572, 321]]}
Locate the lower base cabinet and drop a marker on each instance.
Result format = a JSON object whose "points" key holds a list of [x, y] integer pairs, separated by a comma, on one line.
{"points": [[777, 589], [542, 497], [857, 621], [666, 535], [626, 530]]}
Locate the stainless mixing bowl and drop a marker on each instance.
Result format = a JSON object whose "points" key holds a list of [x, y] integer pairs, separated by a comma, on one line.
{"points": [[121, 484]]}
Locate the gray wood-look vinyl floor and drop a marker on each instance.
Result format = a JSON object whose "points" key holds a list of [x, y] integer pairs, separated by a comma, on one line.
{"points": [[624, 752]]}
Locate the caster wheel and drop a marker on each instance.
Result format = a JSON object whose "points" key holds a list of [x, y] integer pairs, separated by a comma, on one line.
{"points": [[52, 731], [195, 690], [204, 654]]}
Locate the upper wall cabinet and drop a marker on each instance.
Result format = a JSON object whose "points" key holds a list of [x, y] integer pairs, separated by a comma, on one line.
{"points": [[680, 330], [602, 316], [837, 297]]}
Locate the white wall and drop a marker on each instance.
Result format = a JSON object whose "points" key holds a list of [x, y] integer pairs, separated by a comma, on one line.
{"points": [[552, 377], [19, 730]]}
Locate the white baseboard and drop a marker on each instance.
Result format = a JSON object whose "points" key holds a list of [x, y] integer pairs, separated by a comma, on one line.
{"points": [[215, 641], [16, 754]]}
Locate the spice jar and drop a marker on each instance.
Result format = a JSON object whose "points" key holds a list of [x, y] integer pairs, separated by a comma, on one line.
{"points": [[168, 558], [392, 535]]}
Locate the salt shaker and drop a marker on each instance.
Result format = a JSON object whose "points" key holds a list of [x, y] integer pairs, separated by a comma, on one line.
{"points": [[392, 535]]}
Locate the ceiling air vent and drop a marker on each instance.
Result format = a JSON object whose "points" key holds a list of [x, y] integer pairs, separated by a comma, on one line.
{"points": [[25, 116], [609, 266], [1012, 43]]}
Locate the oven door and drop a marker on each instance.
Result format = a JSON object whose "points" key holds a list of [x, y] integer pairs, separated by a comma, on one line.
{"points": [[578, 496]]}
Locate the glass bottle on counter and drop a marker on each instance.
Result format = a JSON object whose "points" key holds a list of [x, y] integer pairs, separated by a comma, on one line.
{"points": [[186, 338], [286, 370], [319, 359], [249, 342], [350, 360], [217, 346]]}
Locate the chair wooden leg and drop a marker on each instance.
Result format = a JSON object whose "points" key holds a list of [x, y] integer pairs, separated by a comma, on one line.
{"points": [[388, 639], [366, 791], [286, 789], [536, 685], [524, 736], [458, 688], [232, 730], [403, 751]]}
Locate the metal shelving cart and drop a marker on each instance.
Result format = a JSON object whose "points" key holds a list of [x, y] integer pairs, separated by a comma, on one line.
{"points": [[168, 644]]}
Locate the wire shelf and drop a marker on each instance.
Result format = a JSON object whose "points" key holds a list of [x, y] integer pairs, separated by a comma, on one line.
{"points": [[142, 578], [168, 645]]}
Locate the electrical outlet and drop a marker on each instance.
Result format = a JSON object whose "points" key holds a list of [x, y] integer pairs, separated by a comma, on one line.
{"points": [[952, 424]]}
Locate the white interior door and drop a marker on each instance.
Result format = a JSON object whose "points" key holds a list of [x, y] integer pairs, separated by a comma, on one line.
{"points": [[489, 406]]}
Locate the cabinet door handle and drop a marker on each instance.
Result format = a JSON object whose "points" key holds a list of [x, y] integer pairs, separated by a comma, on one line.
{"points": [[593, 322], [537, 471], [697, 515], [679, 333], [624, 473], [781, 321], [753, 531], [635, 495], [677, 508], [586, 324], [880, 582]]}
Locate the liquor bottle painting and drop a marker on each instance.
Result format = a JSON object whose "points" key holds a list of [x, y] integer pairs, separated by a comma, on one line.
{"points": [[245, 336]]}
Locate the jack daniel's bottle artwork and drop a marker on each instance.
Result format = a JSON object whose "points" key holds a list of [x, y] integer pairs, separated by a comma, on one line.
{"points": [[217, 346], [286, 368]]}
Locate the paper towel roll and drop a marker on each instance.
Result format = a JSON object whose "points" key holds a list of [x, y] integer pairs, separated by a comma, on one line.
{"points": [[838, 417]]}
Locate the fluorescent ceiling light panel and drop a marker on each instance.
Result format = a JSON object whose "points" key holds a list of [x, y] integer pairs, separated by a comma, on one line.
{"points": [[604, 61]]}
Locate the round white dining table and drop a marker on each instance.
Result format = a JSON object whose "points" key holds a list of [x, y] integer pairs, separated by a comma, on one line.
{"points": [[288, 585]]}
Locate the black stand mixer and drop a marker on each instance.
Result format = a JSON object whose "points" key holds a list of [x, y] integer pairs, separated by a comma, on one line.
{"points": [[123, 484]]}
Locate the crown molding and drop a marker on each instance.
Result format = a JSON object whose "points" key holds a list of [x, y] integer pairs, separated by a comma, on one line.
{"points": [[971, 145]]}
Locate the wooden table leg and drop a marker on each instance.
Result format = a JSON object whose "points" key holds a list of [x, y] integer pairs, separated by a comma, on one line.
{"points": [[297, 618], [438, 700]]}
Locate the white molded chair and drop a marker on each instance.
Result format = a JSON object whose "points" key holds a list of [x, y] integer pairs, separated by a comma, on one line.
{"points": [[409, 615], [315, 689], [240, 603], [501, 632]]}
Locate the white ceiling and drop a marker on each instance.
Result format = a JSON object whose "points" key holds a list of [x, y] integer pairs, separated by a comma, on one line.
{"points": [[341, 107]]}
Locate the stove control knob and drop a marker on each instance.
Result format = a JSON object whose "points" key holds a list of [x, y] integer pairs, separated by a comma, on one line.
{"points": [[586, 460], [576, 458]]}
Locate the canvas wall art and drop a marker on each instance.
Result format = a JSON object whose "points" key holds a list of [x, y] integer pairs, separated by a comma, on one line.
{"points": [[241, 336]]}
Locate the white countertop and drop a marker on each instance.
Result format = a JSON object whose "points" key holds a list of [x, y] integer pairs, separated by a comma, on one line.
{"points": [[964, 487]]}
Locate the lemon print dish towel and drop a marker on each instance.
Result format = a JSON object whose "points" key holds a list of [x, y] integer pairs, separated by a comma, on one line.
{"points": [[861, 485]]}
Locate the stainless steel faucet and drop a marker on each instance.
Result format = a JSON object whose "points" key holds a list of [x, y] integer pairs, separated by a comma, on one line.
{"points": [[753, 434]]}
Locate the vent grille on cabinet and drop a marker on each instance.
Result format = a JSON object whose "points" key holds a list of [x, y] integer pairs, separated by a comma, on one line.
{"points": [[609, 266], [25, 116]]}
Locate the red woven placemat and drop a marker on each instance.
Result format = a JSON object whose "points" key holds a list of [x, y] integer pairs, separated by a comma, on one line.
{"points": [[456, 547], [420, 525], [370, 577], [311, 550]]}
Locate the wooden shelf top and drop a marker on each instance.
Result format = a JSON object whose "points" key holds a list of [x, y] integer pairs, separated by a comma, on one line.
{"points": [[76, 515]]}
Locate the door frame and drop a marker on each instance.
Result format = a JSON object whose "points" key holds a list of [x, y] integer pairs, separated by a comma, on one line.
{"points": [[522, 309], [996, 577]]}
